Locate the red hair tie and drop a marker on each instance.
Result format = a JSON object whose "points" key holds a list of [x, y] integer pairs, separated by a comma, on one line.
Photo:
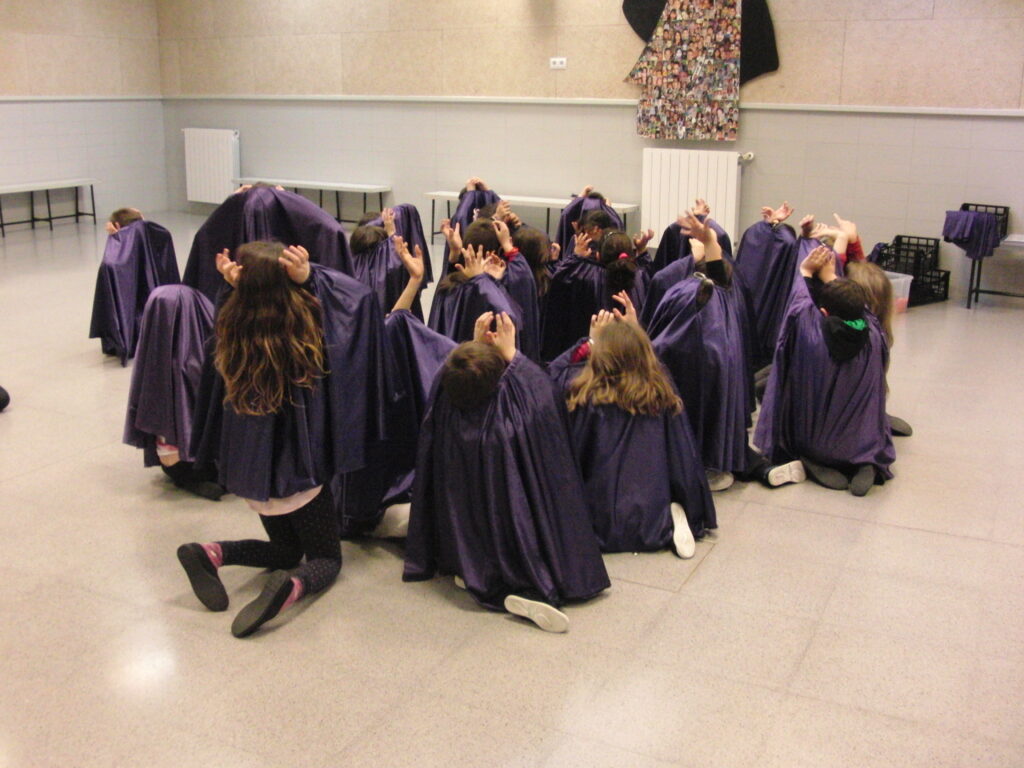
{"points": [[623, 255]]}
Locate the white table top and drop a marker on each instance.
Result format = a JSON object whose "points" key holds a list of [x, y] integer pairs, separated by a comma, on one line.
{"points": [[330, 186], [1013, 240], [534, 202], [40, 186]]}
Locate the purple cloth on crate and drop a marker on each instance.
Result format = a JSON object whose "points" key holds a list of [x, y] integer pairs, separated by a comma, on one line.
{"points": [[662, 282], [413, 354], [522, 287], [165, 377], [675, 245], [137, 258], [265, 213], [706, 351], [617, 452], [815, 408], [876, 252], [765, 262], [578, 290], [498, 498], [470, 201], [565, 233], [410, 228], [977, 232], [335, 427], [381, 269], [454, 313]]}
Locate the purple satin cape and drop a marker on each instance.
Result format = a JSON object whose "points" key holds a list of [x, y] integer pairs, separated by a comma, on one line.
{"points": [[470, 201], [454, 313], [522, 287], [165, 377], [573, 212], [381, 269], [265, 213], [578, 290], [815, 408], [662, 281], [498, 498], [977, 232], [410, 228], [333, 428], [137, 258], [706, 351], [675, 245], [766, 261], [619, 456], [413, 356]]}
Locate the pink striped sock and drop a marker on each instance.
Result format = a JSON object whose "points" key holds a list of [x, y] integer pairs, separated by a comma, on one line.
{"points": [[213, 551], [295, 595]]}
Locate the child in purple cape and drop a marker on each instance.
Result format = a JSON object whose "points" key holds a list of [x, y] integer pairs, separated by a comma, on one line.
{"points": [[825, 399], [497, 500]]}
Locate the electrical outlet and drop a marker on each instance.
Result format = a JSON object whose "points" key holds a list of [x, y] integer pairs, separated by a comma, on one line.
{"points": [[559, 62]]}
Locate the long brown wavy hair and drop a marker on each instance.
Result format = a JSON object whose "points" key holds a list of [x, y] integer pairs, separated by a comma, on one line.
{"points": [[269, 334], [876, 285], [623, 371]]}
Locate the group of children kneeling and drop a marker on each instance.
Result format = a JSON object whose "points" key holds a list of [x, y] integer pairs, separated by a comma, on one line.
{"points": [[528, 464]]}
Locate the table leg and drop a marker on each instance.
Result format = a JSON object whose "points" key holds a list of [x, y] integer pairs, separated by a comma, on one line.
{"points": [[320, 199], [547, 224], [92, 194], [32, 208], [433, 231], [970, 283], [49, 211], [364, 204], [3, 232], [380, 201], [337, 204], [78, 211], [977, 287]]}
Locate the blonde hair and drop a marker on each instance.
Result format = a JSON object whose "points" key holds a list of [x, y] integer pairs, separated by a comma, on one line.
{"points": [[624, 371], [876, 285], [269, 334]]}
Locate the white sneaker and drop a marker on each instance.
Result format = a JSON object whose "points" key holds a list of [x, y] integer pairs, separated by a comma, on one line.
{"points": [[793, 472], [394, 524], [545, 616], [458, 581], [682, 536], [719, 481]]}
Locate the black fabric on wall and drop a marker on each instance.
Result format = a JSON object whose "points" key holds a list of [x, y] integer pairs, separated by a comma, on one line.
{"points": [[758, 52]]}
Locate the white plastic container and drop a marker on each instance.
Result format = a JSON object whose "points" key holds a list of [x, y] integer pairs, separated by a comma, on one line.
{"points": [[900, 290]]}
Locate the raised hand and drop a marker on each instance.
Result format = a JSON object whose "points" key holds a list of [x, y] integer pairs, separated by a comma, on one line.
{"points": [[583, 241], [599, 322], [815, 260], [701, 208], [827, 273], [695, 228], [778, 215], [482, 328], [295, 260], [641, 239], [807, 225], [587, 190], [413, 261], [475, 182], [230, 270], [494, 265], [388, 215], [504, 338], [847, 226], [629, 311], [504, 235], [472, 262], [454, 238]]}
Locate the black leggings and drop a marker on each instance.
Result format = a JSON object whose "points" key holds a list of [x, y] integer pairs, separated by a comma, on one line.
{"points": [[311, 530]]}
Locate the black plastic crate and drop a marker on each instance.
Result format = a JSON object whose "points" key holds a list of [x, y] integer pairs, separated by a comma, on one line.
{"points": [[1002, 213], [926, 248], [930, 286], [906, 260]]}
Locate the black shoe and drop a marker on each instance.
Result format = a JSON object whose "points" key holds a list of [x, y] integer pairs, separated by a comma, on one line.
{"points": [[899, 427], [826, 476], [203, 576], [265, 607], [863, 480], [204, 489]]}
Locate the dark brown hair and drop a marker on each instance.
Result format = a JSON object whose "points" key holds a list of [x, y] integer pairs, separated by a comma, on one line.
{"points": [[481, 233], [269, 334], [471, 373], [364, 238], [843, 298], [535, 247], [621, 271], [876, 285], [624, 371]]}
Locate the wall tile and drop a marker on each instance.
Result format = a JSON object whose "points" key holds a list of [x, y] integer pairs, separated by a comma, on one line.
{"points": [[214, 66], [45, 17], [140, 66], [392, 63], [600, 58], [118, 18], [517, 65], [14, 65], [66, 65], [973, 63], [811, 65], [827, 10], [979, 9], [444, 14], [299, 64], [170, 71]]}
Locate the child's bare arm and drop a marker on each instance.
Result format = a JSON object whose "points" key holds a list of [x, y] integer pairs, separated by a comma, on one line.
{"points": [[414, 266]]}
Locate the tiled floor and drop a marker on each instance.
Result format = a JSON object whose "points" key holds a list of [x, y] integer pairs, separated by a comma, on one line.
{"points": [[817, 630]]}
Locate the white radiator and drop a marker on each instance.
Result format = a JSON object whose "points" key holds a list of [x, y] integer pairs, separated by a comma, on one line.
{"points": [[674, 178], [211, 163]]}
